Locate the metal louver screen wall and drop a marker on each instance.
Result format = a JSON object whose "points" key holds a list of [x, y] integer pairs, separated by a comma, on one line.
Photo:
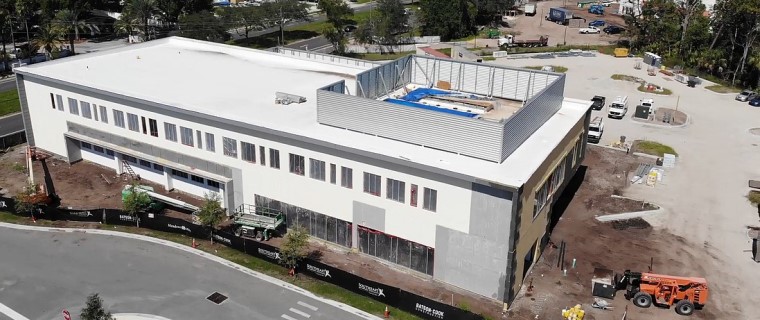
{"points": [[532, 116], [379, 81], [472, 137], [485, 79]]}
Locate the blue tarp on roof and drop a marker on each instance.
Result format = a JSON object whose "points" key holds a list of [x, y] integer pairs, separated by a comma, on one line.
{"points": [[421, 93], [427, 107]]}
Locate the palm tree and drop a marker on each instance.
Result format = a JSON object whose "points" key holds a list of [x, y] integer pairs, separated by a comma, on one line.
{"points": [[69, 24], [47, 38], [125, 24], [143, 11]]}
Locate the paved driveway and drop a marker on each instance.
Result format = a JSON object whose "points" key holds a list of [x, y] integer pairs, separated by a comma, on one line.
{"points": [[704, 196], [42, 272]]}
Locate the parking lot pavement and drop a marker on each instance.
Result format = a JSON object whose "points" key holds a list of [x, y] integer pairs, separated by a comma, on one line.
{"points": [[43, 272], [704, 195]]}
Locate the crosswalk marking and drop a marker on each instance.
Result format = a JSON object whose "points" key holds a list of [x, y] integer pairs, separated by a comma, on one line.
{"points": [[11, 313], [285, 316], [299, 312], [304, 304]]}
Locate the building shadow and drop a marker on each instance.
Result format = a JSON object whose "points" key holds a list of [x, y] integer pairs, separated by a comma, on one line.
{"points": [[559, 207], [49, 185]]}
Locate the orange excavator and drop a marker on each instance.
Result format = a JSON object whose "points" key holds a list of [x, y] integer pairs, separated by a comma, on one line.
{"points": [[645, 289]]}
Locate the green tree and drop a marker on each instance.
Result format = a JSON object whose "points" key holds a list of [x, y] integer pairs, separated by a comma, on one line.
{"points": [[126, 24], [94, 309], [449, 19], [69, 23], [489, 11], [294, 247], [244, 20], [142, 11], [203, 26], [339, 16], [211, 213], [7, 11], [284, 11], [47, 38], [30, 199], [135, 201], [390, 22], [172, 10]]}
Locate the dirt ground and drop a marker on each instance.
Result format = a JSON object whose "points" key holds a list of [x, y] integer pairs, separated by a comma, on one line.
{"points": [[80, 185], [618, 246], [532, 27]]}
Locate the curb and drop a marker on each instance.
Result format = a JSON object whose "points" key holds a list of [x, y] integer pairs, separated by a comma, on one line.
{"points": [[137, 316], [9, 115], [203, 254], [686, 123], [629, 215]]}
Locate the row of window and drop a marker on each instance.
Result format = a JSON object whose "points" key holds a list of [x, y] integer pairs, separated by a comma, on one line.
{"points": [[395, 190], [100, 113], [547, 190]]}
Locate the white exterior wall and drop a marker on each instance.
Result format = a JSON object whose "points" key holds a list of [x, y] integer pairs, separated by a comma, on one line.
{"points": [[100, 158], [402, 220]]}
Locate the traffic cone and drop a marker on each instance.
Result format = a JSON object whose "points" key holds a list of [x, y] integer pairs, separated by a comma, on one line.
{"points": [[194, 245], [387, 312]]}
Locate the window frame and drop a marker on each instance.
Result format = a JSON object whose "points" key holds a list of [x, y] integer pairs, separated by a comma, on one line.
{"points": [[262, 155], [170, 131], [153, 127], [373, 184], [317, 169], [413, 195], [186, 136], [59, 102], [395, 190], [84, 108], [346, 177], [210, 142], [229, 147], [133, 122], [73, 106], [247, 152], [274, 158], [199, 137], [103, 114], [296, 168], [118, 118], [430, 199]]}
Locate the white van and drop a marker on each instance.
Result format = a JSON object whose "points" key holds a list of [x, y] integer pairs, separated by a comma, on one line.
{"points": [[618, 108]]}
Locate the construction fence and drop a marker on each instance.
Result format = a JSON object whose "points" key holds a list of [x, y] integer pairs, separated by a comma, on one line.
{"points": [[12, 139], [392, 296]]}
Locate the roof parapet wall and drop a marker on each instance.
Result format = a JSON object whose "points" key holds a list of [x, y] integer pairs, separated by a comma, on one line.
{"points": [[540, 92]]}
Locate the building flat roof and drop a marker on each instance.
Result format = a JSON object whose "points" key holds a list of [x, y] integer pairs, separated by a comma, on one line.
{"points": [[240, 84]]}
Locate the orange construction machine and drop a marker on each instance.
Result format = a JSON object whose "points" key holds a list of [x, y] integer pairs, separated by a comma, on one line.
{"points": [[646, 289]]}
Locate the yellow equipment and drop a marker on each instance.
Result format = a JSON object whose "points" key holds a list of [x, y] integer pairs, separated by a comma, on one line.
{"points": [[621, 52], [574, 313]]}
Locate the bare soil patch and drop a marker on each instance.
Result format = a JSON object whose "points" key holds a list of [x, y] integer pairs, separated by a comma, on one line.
{"points": [[628, 244]]}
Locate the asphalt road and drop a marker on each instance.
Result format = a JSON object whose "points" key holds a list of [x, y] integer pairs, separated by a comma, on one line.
{"points": [[42, 273]]}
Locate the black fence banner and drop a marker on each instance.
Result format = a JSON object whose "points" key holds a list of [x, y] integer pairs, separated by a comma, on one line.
{"points": [[261, 250], [91, 215], [229, 239], [430, 309], [121, 218], [8, 204], [375, 290]]}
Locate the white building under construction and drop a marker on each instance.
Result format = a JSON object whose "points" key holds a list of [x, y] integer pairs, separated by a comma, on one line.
{"points": [[446, 168]]}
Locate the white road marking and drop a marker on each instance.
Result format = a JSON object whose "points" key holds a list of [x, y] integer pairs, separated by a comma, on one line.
{"points": [[299, 312], [304, 304], [285, 316], [11, 313]]}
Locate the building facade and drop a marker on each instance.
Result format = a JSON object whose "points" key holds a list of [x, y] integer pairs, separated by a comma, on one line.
{"points": [[338, 145]]}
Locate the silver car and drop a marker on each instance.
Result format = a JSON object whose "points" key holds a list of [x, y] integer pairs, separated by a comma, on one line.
{"points": [[745, 96]]}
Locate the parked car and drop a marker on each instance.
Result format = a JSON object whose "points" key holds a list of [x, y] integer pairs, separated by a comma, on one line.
{"points": [[597, 102], [755, 102], [588, 30], [613, 29], [745, 96], [597, 23]]}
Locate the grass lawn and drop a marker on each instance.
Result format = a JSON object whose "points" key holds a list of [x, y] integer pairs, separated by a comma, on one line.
{"points": [[652, 147], [446, 51], [292, 34], [722, 89], [9, 102], [559, 69], [608, 50], [320, 288], [382, 56]]}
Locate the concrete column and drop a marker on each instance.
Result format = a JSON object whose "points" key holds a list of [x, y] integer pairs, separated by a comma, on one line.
{"points": [[168, 185], [354, 236], [119, 164]]}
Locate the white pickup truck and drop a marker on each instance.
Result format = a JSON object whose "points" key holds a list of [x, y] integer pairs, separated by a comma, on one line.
{"points": [[590, 29], [595, 130]]}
